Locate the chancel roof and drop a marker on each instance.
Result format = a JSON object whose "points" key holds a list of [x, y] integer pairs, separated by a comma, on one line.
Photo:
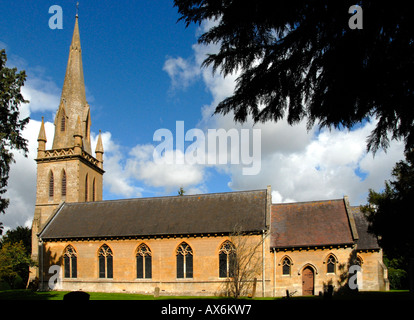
{"points": [[310, 224]]}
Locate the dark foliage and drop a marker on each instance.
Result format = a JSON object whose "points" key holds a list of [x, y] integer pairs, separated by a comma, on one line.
{"points": [[300, 60], [389, 214], [11, 125]]}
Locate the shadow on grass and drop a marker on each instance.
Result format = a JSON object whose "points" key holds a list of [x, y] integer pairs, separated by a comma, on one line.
{"points": [[24, 294], [58, 295]]}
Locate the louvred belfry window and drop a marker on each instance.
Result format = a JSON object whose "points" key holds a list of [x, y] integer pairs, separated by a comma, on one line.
{"points": [[86, 188], [63, 183], [93, 190], [51, 185]]}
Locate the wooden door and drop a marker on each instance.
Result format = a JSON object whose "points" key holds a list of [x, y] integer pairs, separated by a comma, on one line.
{"points": [[307, 281]]}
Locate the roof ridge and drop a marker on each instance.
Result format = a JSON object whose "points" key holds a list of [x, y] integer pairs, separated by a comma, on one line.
{"points": [[303, 202], [163, 197]]}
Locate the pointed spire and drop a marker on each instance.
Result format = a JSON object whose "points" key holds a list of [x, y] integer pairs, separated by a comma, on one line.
{"points": [[75, 45], [74, 85], [99, 145], [74, 99], [41, 140], [99, 151], [42, 132]]}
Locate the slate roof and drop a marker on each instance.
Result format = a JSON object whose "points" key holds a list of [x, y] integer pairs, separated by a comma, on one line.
{"points": [[366, 241], [316, 223], [192, 214]]}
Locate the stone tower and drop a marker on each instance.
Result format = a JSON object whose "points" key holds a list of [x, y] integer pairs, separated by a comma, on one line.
{"points": [[68, 172]]}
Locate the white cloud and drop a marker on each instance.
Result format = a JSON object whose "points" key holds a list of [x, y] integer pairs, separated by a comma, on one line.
{"points": [[44, 95], [142, 166], [116, 178], [300, 165], [21, 188], [181, 72]]}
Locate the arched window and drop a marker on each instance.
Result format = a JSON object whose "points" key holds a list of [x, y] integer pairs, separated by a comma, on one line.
{"points": [[331, 264], [93, 190], [144, 262], [184, 261], [63, 183], [227, 260], [105, 257], [86, 188], [63, 123], [51, 185], [286, 266], [70, 262]]}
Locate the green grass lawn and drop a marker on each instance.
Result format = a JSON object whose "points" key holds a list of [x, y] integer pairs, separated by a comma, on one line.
{"points": [[58, 295]]}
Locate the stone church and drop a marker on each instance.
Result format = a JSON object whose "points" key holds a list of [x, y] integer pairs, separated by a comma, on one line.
{"points": [[182, 245]]}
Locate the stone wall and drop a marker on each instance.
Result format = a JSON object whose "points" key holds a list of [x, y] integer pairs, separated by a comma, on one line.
{"points": [[205, 280]]}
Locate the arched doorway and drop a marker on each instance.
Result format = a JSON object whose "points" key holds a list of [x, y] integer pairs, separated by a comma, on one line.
{"points": [[308, 281]]}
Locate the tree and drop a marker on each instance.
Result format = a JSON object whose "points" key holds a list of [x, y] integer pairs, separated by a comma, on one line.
{"points": [[300, 60], [14, 260], [389, 213], [11, 125], [21, 236], [245, 263]]}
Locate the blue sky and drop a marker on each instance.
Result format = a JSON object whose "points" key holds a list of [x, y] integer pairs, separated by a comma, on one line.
{"points": [[142, 73]]}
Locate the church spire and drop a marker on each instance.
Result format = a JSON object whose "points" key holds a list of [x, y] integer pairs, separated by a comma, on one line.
{"points": [[73, 102]]}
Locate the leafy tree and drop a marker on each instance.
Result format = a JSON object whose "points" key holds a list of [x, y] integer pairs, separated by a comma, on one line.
{"points": [[21, 236], [389, 213], [11, 125], [14, 260], [299, 59]]}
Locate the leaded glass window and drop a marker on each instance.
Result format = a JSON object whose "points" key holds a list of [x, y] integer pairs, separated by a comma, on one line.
{"points": [[105, 257], [184, 261], [227, 260], [286, 265], [331, 264], [144, 262], [70, 262]]}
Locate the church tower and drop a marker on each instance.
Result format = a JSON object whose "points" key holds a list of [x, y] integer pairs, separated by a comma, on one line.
{"points": [[68, 172]]}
